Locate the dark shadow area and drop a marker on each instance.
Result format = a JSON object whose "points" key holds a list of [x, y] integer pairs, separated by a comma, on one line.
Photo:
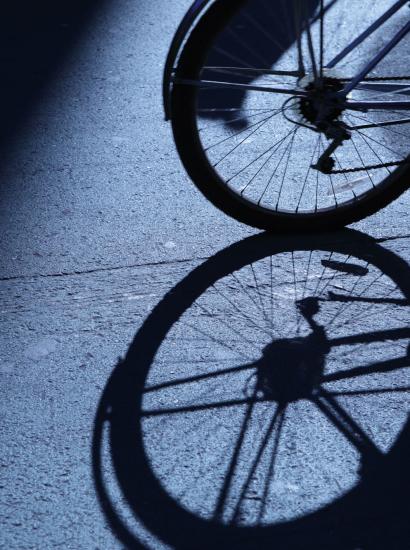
{"points": [[35, 38], [372, 515]]}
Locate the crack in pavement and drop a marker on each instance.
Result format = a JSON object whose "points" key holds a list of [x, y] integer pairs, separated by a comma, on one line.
{"points": [[99, 269], [132, 266]]}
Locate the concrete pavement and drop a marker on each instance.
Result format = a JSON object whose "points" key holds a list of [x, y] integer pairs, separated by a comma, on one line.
{"points": [[99, 222]]}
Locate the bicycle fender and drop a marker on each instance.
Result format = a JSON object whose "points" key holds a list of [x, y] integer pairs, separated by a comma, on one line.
{"points": [[194, 11]]}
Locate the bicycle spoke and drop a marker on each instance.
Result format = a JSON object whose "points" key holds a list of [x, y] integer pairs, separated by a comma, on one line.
{"points": [[259, 122], [264, 32], [291, 143], [366, 33], [277, 165], [248, 73], [380, 143], [259, 157], [361, 160], [233, 57], [259, 170], [230, 110], [382, 125], [251, 50], [234, 120], [321, 149], [225, 85], [373, 151], [307, 174], [258, 125]]}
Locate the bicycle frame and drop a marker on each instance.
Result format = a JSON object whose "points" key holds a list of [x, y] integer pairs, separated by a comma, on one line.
{"points": [[197, 9], [378, 57]]}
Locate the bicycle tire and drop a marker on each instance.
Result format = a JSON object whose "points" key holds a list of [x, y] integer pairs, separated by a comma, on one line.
{"points": [[209, 181]]}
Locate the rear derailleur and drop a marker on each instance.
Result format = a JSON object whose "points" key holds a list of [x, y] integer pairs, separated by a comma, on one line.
{"points": [[338, 133]]}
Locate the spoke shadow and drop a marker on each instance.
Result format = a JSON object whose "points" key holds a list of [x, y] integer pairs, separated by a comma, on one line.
{"points": [[371, 515]]}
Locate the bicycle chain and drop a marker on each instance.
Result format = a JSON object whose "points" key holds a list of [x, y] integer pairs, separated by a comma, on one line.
{"points": [[371, 167]]}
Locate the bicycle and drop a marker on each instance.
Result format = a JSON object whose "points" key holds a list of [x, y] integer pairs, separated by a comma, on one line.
{"points": [[292, 115]]}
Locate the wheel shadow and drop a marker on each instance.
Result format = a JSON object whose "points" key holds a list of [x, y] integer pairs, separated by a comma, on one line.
{"points": [[371, 514]]}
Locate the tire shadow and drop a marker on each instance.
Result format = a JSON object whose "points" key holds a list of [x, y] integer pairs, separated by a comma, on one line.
{"points": [[372, 515]]}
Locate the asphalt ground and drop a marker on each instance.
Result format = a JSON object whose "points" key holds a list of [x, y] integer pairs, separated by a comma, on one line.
{"points": [[106, 442]]}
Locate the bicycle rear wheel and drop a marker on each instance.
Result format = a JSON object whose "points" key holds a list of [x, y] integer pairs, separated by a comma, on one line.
{"points": [[255, 153]]}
